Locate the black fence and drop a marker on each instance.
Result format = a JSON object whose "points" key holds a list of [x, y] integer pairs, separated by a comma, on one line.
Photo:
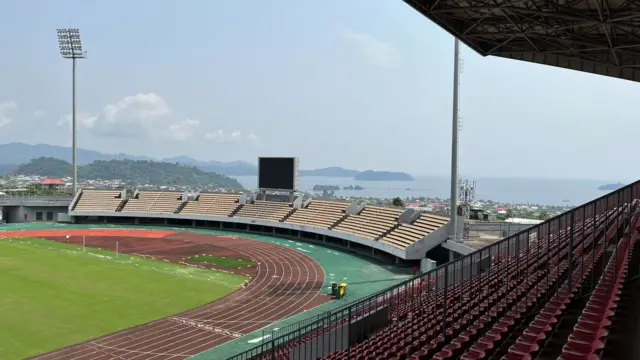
{"points": [[573, 237]]}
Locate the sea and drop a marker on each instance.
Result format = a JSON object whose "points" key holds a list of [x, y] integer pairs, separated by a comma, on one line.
{"points": [[554, 192]]}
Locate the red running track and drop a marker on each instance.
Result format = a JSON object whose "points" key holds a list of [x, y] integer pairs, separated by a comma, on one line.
{"points": [[284, 283]]}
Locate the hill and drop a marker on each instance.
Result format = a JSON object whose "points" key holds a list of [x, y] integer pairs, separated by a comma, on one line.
{"points": [[134, 172], [46, 166], [13, 154], [235, 168], [371, 175], [610, 187], [18, 153]]}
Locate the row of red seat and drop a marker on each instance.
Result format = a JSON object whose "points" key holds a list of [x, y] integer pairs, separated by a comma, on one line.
{"points": [[459, 315], [481, 309], [522, 303], [588, 336]]}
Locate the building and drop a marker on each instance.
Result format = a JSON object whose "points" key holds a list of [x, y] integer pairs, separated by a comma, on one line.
{"points": [[51, 184]]}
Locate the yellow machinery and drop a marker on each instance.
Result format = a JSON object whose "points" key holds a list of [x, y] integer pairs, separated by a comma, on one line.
{"points": [[339, 291]]}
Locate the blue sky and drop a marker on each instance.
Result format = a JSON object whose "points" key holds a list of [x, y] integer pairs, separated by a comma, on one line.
{"points": [[359, 84]]}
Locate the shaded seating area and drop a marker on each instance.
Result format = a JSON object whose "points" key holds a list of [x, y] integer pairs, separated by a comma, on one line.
{"points": [[487, 310], [212, 205], [158, 202], [371, 223], [319, 213], [99, 200], [264, 210], [562, 289], [406, 235]]}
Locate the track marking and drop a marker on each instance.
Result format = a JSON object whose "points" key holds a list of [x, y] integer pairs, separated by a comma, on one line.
{"points": [[255, 307]]}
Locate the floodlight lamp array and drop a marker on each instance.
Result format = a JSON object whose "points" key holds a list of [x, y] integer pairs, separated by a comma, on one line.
{"points": [[70, 43]]}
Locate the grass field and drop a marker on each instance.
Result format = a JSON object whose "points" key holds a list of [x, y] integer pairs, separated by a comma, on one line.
{"points": [[54, 294], [221, 262]]}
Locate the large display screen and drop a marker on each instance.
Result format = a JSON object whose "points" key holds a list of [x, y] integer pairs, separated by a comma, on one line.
{"points": [[277, 173]]}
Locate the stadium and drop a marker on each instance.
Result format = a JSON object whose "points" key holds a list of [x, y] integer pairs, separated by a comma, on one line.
{"points": [[562, 289]]}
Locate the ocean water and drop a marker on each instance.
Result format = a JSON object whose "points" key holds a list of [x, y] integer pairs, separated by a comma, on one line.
{"points": [[533, 191]]}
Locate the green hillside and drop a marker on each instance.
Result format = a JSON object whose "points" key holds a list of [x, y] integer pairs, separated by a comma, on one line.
{"points": [[133, 172]]}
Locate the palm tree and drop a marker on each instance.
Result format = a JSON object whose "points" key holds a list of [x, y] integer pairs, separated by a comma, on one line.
{"points": [[397, 202], [509, 214], [544, 215]]}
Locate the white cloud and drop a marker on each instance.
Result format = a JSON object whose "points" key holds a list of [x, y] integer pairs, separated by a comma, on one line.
{"points": [[253, 139], [6, 109], [215, 136], [143, 109], [83, 119], [234, 137], [182, 130], [376, 51], [39, 113]]}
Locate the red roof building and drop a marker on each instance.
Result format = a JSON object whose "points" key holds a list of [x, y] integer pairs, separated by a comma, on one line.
{"points": [[52, 182]]}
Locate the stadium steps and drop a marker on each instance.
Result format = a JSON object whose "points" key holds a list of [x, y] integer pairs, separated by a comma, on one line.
{"points": [[180, 207], [235, 211], [565, 324], [78, 201], [342, 218], [624, 336], [395, 226], [293, 210], [122, 204]]}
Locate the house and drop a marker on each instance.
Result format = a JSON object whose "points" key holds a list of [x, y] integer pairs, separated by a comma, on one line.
{"points": [[51, 184]]}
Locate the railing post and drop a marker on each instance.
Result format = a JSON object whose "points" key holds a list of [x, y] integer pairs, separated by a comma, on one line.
{"points": [[348, 336], [571, 232], [273, 349], [444, 303]]}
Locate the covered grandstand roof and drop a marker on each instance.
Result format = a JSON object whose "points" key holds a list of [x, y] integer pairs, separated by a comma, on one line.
{"points": [[600, 37]]}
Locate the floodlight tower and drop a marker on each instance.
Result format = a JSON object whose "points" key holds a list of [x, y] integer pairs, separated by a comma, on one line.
{"points": [[71, 48], [467, 197], [453, 236]]}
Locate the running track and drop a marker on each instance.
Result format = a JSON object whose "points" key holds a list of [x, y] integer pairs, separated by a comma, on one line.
{"points": [[285, 282]]}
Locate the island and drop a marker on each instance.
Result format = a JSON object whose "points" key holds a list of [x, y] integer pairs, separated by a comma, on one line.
{"points": [[352, 187], [326, 187], [371, 175], [610, 187]]}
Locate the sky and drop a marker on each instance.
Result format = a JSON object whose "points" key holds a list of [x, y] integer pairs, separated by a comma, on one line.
{"points": [[360, 84]]}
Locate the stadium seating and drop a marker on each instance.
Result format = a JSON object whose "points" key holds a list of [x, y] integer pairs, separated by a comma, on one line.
{"points": [[371, 223], [406, 235], [158, 202], [264, 210], [319, 213], [489, 314], [212, 205], [98, 200]]}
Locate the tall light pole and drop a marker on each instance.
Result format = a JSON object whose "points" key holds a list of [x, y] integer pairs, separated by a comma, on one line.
{"points": [[71, 48], [453, 236]]}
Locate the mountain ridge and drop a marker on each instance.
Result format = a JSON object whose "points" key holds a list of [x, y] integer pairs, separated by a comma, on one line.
{"points": [[131, 172], [14, 154]]}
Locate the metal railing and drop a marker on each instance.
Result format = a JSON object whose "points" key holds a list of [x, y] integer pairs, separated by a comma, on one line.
{"points": [[574, 238], [36, 197]]}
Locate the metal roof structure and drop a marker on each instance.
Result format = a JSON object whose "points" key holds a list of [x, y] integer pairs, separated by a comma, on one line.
{"points": [[595, 36]]}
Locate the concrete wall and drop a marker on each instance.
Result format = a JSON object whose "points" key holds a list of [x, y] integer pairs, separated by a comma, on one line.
{"points": [[35, 200], [16, 214], [376, 245], [498, 229]]}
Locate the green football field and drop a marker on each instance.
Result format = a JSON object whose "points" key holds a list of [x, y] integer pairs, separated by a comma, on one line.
{"points": [[53, 294]]}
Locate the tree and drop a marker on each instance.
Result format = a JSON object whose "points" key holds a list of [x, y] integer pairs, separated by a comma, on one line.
{"points": [[509, 214], [544, 215], [397, 202]]}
